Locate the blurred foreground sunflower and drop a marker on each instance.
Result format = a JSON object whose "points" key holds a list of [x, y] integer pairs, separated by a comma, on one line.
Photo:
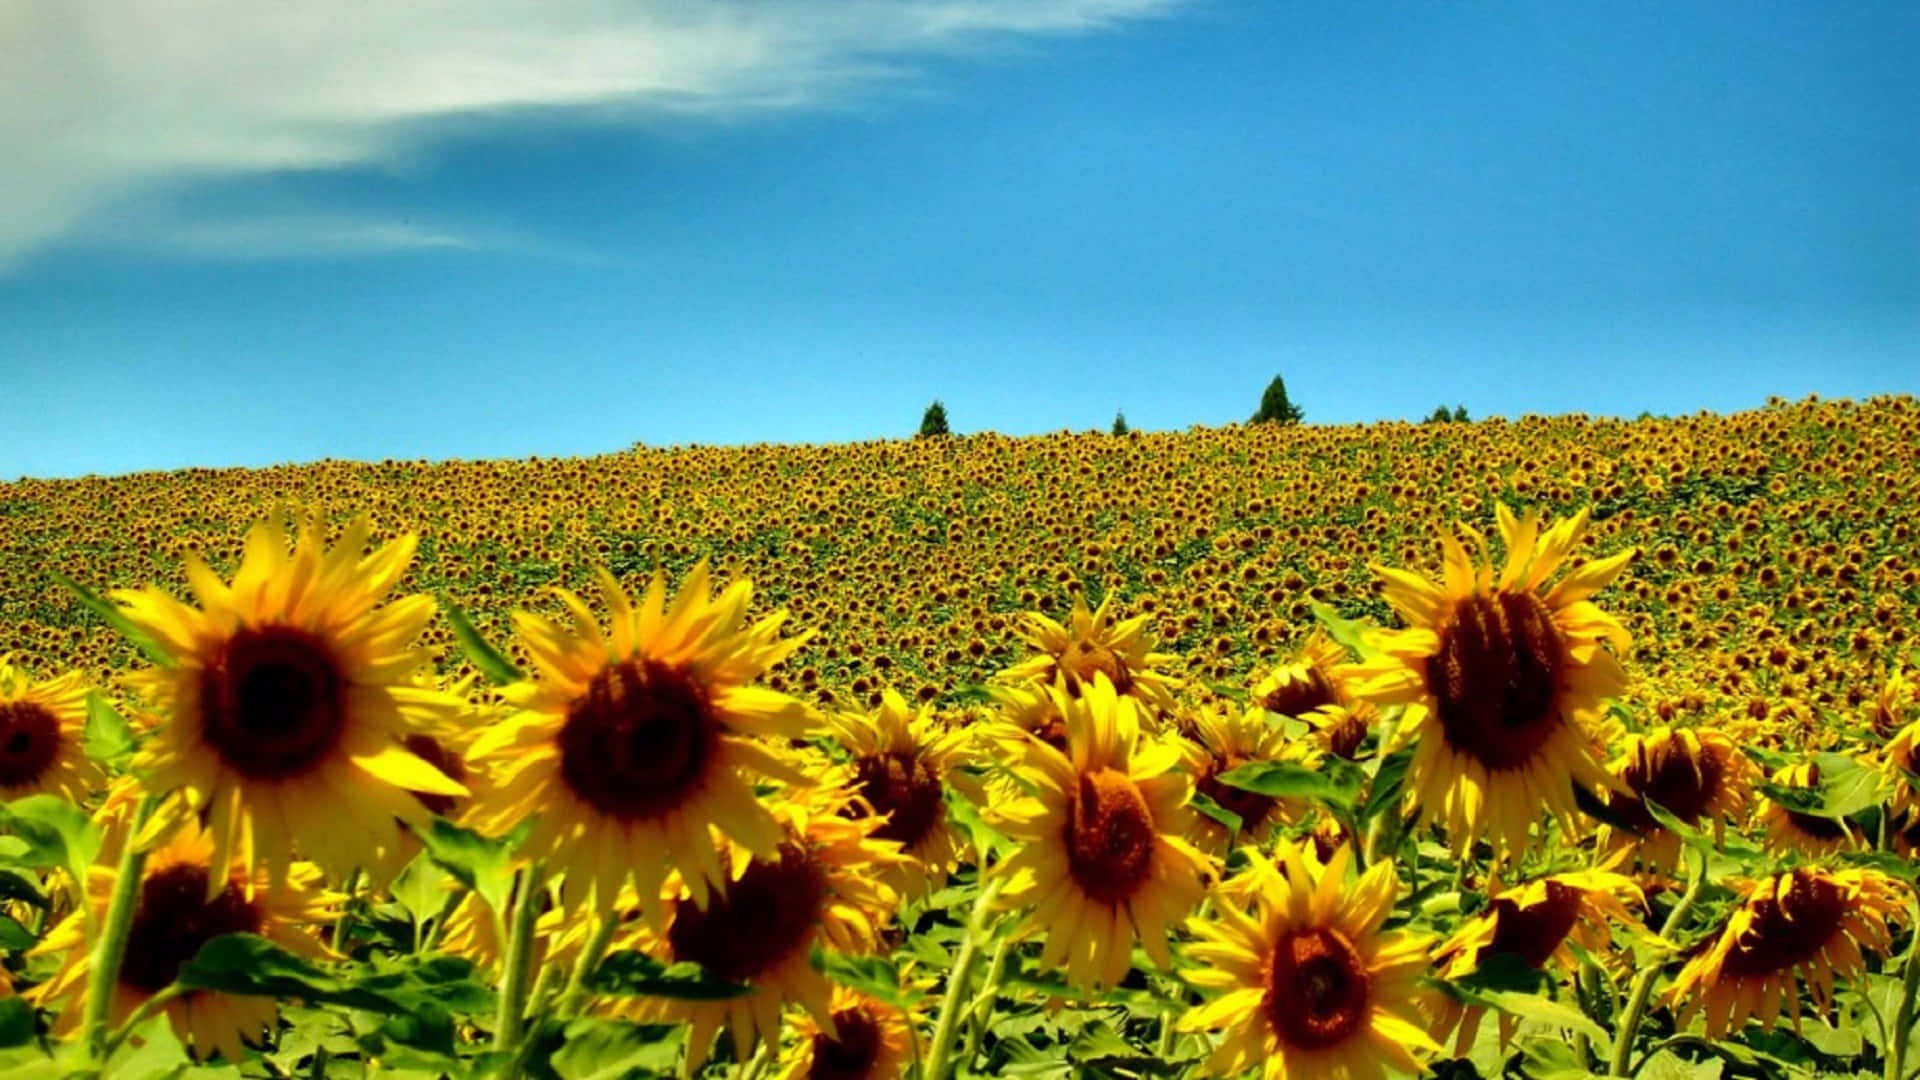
{"points": [[868, 1040], [185, 902], [1308, 984], [1502, 679], [42, 725]]}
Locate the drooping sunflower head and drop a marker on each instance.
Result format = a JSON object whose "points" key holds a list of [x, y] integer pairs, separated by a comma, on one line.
{"points": [[185, 901], [631, 746], [1697, 774], [1533, 923], [1341, 730], [902, 763], [1308, 985], [1312, 681], [1501, 676], [1225, 738], [1893, 707], [1898, 767], [1102, 858], [822, 886], [1797, 830], [1093, 644], [290, 690], [868, 1040], [1809, 923], [42, 725]]}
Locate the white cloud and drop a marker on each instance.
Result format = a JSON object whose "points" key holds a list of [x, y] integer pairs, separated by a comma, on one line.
{"points": [[103, 101]]}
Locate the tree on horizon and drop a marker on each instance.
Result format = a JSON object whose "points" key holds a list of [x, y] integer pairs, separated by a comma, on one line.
{"points": [[1276, 407], [934, 421]]}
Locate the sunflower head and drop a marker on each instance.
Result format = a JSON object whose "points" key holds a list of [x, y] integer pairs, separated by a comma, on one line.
{"points": [[42, 725], [186, 899], [1697, 774], [902, 763], [1307, 983], [1101, 856], [1808, 923], [281, 717], [1893, 707], [1312, 681], [1092, 645], [821, 886], [1224, 739], [631, 746], [1501, 674], [868, 1039]]}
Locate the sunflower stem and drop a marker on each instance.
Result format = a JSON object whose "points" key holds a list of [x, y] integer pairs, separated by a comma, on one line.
{"points": [[104, 970], [576, 992], [513, 984], [980, 1013], [963, 964], [140, 1016], [1643, 983], [1903, 1015], [346, 910]]}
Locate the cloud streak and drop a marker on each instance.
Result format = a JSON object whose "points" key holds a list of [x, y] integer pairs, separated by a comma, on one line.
{"points": [[104, 103]]}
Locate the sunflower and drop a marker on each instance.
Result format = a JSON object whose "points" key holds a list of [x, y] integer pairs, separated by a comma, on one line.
{"points": [[902, 761], [1808, 921], [1101, 858], [821, 887], [1794, 830], [1340, 730], [1309, 985], [1501, 681], [1898, 768], [629, 749], [41, 728], [868, 1040], [1225, 739], [1891, 707], [1093, 644], [288, 696], [1696, 774], [1311, 682], [184, 903], [1535, 923]]}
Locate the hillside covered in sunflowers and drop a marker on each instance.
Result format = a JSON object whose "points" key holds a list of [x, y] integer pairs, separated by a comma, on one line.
{"points": [[1553, 747]]}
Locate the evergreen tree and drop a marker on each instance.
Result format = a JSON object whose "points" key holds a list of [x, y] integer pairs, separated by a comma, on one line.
{"points": [[1275, 407], [1459, 414], [1120, 423], [1440, 415], [934, 421]]}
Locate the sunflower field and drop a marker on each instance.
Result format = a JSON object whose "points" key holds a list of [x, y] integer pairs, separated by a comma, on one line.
{"points": [[1557, 747]]}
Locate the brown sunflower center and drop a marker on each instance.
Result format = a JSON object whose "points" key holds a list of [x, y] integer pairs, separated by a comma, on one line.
{"points": [[1679, 781], [852, 1054], [765, 915], [1533, 932], [640, 740], [433, 752], [1303, 689], [1109, 835], [1496, 678], [273, 701], [1318, 991], [29, 742], [1791, 928], [902, 785], [1083, 660], [1345, 734], [1251, 806], [174, 918]]}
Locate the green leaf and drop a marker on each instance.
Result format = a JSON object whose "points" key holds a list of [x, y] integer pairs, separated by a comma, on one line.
{"points": [[57, 833], [18, 886], [874, 976], [1347, 632], [481, 864], [422, 889], [108, 738], [1389, 780], [111, 614], [14, 938], [617, 1050], [635, 973], [1667, 1065], [1544, 1011], [986, 840], [1846, 786], [1336, 784], [17, 1021], [490, 661], [1217, 812], [1503, 972]]}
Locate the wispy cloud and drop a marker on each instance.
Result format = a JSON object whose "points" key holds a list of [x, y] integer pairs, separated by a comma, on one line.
{"points": [[107, 101]]}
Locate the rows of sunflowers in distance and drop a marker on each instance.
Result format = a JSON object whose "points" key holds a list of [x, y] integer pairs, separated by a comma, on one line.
{"points": [[1627, 768]]}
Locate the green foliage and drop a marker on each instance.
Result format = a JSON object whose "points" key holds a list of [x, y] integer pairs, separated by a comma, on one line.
{"points": [[1120, 424], [1276, 407], [933, 422]]}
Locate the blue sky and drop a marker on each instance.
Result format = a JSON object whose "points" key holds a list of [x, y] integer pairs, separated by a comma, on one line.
{"points": [[493, 229]]}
